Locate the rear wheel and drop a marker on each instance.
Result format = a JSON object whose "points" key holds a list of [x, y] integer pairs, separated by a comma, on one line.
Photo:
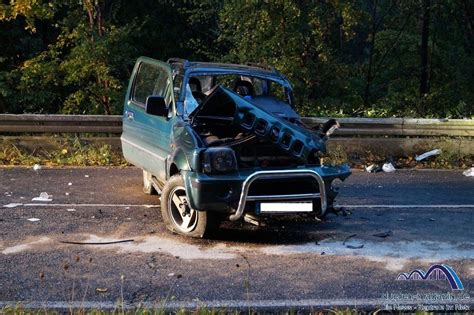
{"points": [[178, 215]]}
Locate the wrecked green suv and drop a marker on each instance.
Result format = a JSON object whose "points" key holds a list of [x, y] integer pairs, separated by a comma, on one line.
{"points": [[223, 142]]}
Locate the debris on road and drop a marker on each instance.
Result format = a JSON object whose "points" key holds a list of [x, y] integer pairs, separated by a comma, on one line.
{"points": [[427, 154], [71, 210], [355, 246], [43, 197], [388, 168], [469, 172], [33, 219], [101, 290], [12, 205], [36, 167], [373, 168], [342, 210], [171, 274], [348, 238], [97, 243], [86, 176], [383, 234], [69, 184]]}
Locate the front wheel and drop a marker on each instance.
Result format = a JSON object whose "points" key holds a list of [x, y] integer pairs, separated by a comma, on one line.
{"points": [[177, 214]]}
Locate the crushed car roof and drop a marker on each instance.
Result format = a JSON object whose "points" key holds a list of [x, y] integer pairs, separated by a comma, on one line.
{"points": [[212, 66]]}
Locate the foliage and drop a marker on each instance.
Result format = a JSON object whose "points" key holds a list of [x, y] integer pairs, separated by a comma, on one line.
{"points": [[62, 151], [344, 58]]}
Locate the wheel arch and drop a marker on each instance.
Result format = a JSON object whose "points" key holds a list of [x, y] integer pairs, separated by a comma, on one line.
{"points": [[177, 162]]}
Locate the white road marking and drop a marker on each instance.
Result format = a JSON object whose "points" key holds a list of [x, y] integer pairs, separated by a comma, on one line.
{"points": [[226, 304], [71, 205], [13, 205], [405, 206]]}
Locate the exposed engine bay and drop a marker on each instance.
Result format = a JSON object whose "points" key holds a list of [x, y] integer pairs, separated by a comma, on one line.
{"points": [[263, 131]]}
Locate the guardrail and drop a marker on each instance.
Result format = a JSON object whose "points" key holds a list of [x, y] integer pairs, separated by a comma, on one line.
{"points": [[392, 127]]}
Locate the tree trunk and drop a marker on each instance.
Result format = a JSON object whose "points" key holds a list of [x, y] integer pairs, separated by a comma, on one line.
{"points": [[424, 51], [371, 54]]}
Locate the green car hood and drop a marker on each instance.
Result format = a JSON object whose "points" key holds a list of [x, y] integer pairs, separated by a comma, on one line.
{"points": [[223, 104]]}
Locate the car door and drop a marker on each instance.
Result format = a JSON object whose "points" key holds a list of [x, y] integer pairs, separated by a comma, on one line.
{"points": [[146, 138]]}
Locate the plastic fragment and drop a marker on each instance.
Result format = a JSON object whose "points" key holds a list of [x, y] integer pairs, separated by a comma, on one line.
{"points": [[427, 154], [388, 168], [36, 167], [171, 274], [69, 184], [33, 219], [371, 168], [43, 197], [469, 172], [86, 176], [355, 246], [348, 238], [97, 243], [101, 290], [383, 234], [71, 210]]}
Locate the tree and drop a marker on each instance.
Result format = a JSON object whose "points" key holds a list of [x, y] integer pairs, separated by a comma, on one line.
{"points": [[424, 50]]}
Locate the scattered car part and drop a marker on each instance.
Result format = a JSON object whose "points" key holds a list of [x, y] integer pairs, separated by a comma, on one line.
{"points": [[43, 197], [348, 238], [355, 246], [97, 243], [469, 172], [427, 154], [373, 168], [388, 168], [383, 234]]}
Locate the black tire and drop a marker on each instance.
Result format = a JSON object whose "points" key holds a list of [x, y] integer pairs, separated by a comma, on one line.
{"points": [[200, 223]]}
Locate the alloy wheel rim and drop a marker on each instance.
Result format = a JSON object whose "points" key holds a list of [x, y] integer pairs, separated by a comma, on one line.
{"points": [[183, 217]]}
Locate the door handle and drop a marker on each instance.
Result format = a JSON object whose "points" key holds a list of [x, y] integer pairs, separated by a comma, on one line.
{"points": [[130, 115]]}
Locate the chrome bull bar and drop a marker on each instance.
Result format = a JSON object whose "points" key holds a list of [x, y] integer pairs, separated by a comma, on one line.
{"points": [[280, 174]]}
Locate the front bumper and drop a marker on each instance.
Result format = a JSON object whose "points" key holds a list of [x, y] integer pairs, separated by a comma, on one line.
{"points": [[229, 193]]}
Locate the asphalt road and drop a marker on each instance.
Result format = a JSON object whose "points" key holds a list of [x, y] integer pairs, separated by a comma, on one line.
{"points": [[290, 264]]}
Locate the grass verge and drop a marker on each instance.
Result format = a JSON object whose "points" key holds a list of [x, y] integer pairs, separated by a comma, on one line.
{"points": [[60, 152]]}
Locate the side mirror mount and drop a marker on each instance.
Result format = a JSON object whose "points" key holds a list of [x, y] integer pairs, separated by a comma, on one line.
{"points": [[156, 105]]}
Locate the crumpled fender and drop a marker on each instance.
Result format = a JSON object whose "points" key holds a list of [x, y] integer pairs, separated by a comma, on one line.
{"points": [[184, 143]]}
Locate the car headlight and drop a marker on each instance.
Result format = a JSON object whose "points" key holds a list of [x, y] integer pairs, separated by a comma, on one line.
{"points": [[219, 160]]}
